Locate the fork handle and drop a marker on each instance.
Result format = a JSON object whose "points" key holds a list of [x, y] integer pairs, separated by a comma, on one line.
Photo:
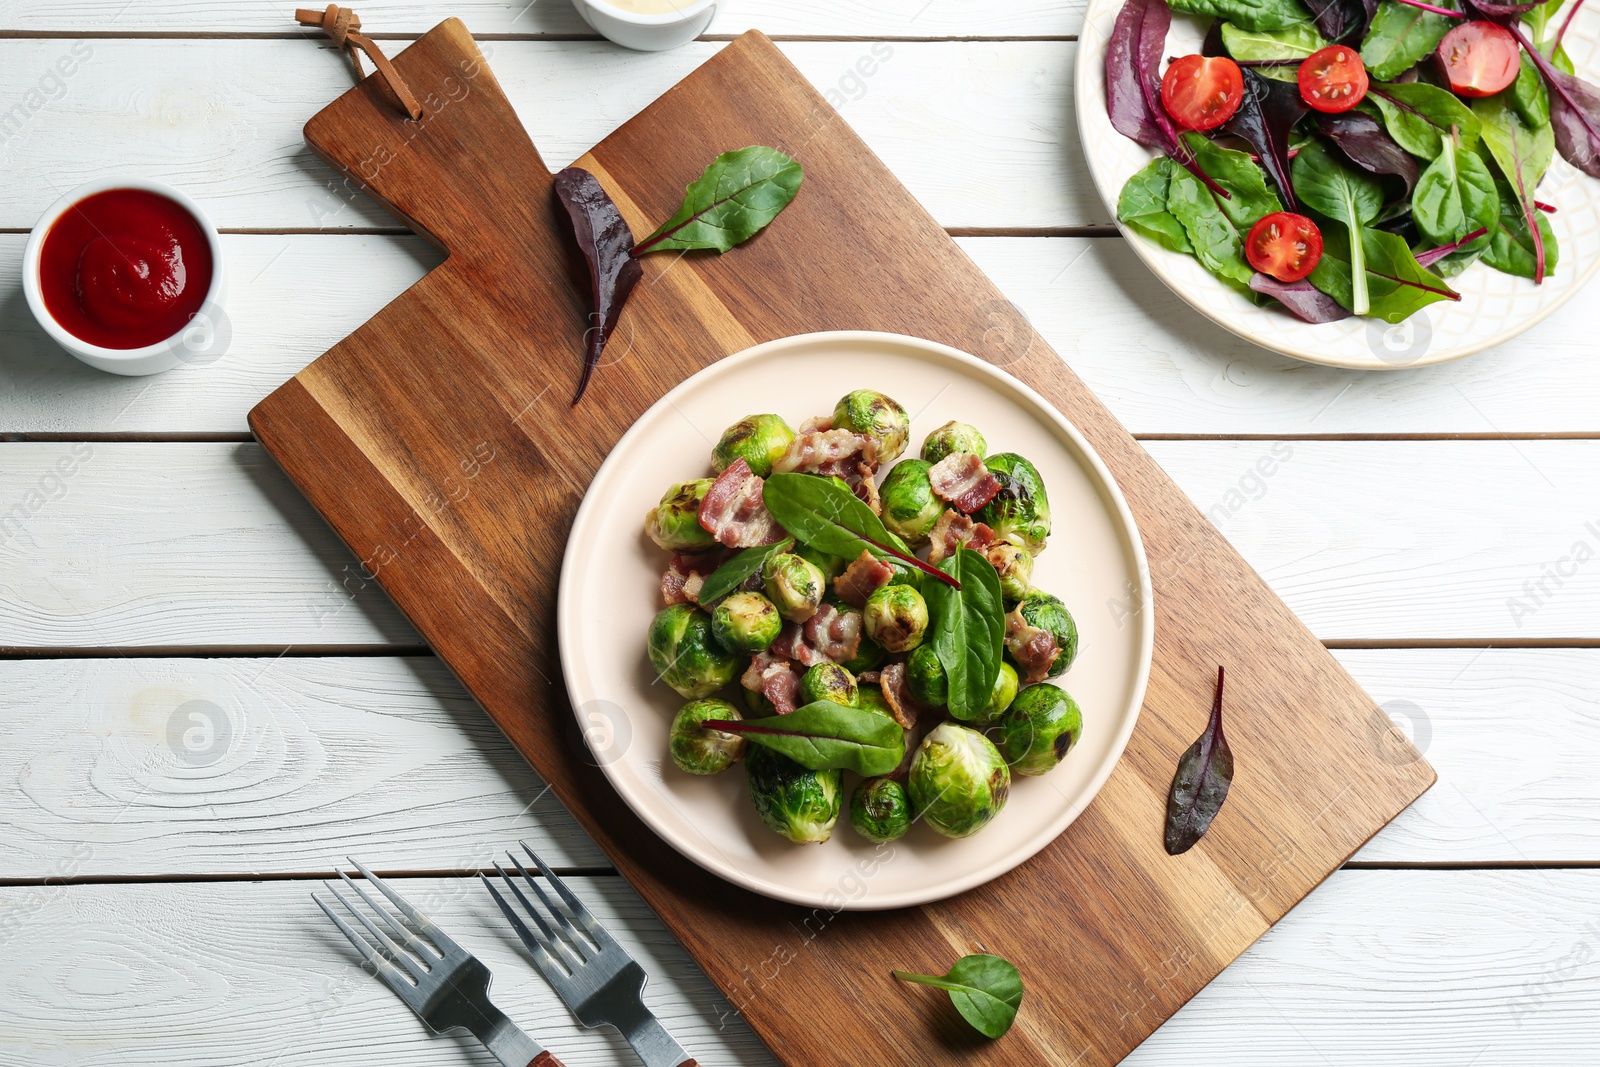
{"points": [[545, 1059]]}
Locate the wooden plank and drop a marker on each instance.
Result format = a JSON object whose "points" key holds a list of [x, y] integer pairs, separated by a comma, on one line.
{"points": [[1404, 968], [206, 543], [982, 132], [839, 18], [373, 432], [1161, 368], [389, 759]]}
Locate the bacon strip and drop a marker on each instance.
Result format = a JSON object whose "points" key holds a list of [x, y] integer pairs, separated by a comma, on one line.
{"points": [[774, 678], [830, 635], [733, 511], [955, 530], [866, 488], [963, 481], [865, 575], [1032, 649], [897, 693], [829, 452], [681, 581]]}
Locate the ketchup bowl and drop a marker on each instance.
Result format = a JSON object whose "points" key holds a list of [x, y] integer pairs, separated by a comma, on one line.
{"points": [[127, 275]]}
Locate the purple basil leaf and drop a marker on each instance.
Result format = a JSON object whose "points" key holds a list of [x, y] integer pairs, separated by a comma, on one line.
{"points": [[1131, 70], [1302, 298], [1575, 119], [1267, 112], [1368, 145], [1204, 775], [607, 244]]}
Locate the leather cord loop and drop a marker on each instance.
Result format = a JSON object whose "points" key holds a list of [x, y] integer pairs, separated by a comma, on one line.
{"points": [[342, 25]]}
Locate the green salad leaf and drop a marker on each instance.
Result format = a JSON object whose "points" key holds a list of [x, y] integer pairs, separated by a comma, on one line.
{"points": [[1530, 96], [824, 736], [967, 631], [1543, 23], [986, 990], [728, 577], [1217, 227], [1142, 204], [732, 201], [1419, 116], [1252, 46], [1399, 37], [1455, 195], [826, 515], [1511, 247], [1523, 153], [1249, 14], [1397, 285], [1345, 195]]}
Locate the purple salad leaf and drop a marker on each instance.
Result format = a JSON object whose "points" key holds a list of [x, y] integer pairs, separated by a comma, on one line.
{"points": [[1212, 45], [1303, 299], [1367, 144], [1336, 19], [1201, 783], [1267, 112], [1575, 118], [607, 243], [1490, 10]]}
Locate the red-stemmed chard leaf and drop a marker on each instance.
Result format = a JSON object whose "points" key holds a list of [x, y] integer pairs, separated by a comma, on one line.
{"points": [[1491, 10], [606, 242], [1205, 773], [1434, 255], [1267, 112], [1366, 143], [1574, 111], [1133, 84], [1302, 299], [1437, 10]]}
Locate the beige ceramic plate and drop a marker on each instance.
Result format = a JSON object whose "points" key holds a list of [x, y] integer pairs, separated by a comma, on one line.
{"points": [[610, 591], [1493, 308]]}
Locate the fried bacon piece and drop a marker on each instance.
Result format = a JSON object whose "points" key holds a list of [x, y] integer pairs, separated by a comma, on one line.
{"points": [[963, 481], [681, 581], [1032, 649], [867, 489], [830, 635], [733, 511], [775, 678], [955, 530], [865, 574], [829, 452], [897, 692]]}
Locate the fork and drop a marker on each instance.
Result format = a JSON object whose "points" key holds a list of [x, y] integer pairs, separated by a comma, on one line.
{"points": [[596, 977], [442, 982]]}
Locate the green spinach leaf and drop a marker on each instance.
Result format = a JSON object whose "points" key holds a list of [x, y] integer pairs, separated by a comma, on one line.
{"points": [[967, 631], [1543, 24], [1143, 206], [986, 990], [825, 736], [1523, 153], [1295, 43], [1455, 195], [1345, 195], [1249, 14], [731, 202], [1398, 286], [1217, 227], [1399, 37], [1530, 96], [1420, 115], [728, 577], [1511, 248]]}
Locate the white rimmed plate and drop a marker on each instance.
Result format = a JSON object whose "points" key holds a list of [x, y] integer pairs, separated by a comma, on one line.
{"points": [[610, 590], [1493, 308]]}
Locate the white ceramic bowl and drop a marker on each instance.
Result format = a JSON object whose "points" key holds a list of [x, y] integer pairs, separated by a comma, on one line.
{"points": [[649, 33], [610, 590], [198, 342]]}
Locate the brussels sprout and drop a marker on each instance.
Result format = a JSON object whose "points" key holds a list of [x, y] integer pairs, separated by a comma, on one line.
{"points": [[871, 698], [954, 437], [746, 622], [869, 655], [959, 781], [685, 654], [759, 439], [1005, 691], [925, 676], [880, 810], [801, 805], [795, 585], [867, 412], [828, 681], [896, 617], [1048, 613], [830, 566], [698, 750], [1039, 728], [758, 704], [1014, 565], [904, 573], [910, 507], [675, 522], [1020, 512]]}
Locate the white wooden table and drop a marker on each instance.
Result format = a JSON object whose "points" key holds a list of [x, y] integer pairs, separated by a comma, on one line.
{"points": [[204, 709]]}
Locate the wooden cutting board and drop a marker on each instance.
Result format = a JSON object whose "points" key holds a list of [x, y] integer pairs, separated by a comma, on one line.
{"points": [[438, 441]]}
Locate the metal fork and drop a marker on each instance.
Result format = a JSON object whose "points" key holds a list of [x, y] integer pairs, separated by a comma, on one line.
{"points": [[442, 982], [597, 978]]}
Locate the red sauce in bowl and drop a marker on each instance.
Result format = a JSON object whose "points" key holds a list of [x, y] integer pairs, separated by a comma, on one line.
{"points": [[125, 268]]}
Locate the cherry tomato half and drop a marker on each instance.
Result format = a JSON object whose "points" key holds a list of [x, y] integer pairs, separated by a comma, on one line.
{"points": [[1202, 92], [1333, 79], [1480, 58], [1284, 245]]}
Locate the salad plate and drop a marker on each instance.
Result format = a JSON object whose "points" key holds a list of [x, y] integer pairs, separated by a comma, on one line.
{"points": [[1494, 307], [610, 590]]}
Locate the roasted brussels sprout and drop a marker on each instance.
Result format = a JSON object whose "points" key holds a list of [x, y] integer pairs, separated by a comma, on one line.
{"points": [[698, 750], [795, 585], [869, 655], [910, 507], [871, 698], [880, 810], [759, 439], [830, 566], [686, 655], [801, 805], [867, 412], [1020, 512], [925, 675], [896, 617], [959, 781], [954, 437], [1039, 728], [1048, 613], [828, 681], [675, 522], [746, 622], [1005, 691], [1014, 565], [904, 573]]}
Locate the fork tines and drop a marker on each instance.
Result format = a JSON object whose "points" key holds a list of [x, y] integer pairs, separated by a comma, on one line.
{"points": [[422, 957], [571, 939]]}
